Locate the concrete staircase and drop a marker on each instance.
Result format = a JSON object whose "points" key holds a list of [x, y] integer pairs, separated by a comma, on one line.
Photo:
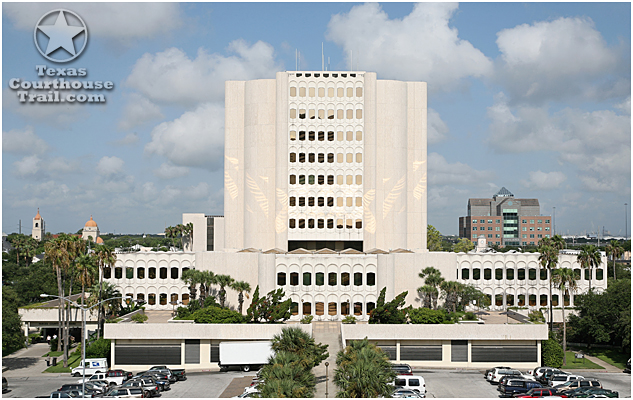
{"points": [[327, 333]]}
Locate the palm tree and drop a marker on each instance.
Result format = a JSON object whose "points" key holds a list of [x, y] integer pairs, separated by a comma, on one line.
{"points": [[428, 293], [108, 291], [240, 287], [187, 232], [296, 340], [223, 281], [558, 242], [53, 251], [191, 277], [588, 258], [452, 290], [432, 277], [549, 259], [565, 281], [363, 370], [206, 279], [615, 250], [87, 266], [286, 375], [105, 257]]}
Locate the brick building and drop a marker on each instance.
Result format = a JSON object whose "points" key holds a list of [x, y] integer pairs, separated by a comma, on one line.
{"points": [[505, 220]]}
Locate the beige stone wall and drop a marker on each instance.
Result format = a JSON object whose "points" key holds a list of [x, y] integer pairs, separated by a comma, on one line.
{"points": [[199, 222]]}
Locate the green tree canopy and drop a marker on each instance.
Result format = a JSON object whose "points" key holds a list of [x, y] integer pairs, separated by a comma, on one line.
{"points": [[389, 312], [463, 246], [433, 239], [296, 340], [270, 308], [427, 316]]}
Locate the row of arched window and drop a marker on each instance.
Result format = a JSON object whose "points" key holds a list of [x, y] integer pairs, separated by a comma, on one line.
{"points": [[321, 135], [340, 92], [321, 223], [532, 300], [322, 201], [332, 279], [174, 273], [521, 274], [162, 298], [321, 179], [321, 157], [333, 308], [331, 113]]}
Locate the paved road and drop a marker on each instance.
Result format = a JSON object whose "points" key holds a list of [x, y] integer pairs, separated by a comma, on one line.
{"points": [[327, 333]]}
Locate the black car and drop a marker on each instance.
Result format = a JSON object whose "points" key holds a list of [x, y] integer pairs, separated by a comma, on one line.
{"points": [[511, 387], [544, 379], [402, 369]]}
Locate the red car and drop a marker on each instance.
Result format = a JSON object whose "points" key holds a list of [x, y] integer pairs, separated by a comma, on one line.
{"points": [[540, 392]]}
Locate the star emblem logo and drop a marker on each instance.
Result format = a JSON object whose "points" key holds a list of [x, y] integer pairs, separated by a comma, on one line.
{"points": [[63, 37]]}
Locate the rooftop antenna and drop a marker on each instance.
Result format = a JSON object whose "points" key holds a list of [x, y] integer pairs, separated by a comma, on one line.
{"points": [[322, 58]]}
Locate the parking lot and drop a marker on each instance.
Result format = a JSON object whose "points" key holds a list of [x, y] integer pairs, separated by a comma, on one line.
{"points": [[439, 384]]}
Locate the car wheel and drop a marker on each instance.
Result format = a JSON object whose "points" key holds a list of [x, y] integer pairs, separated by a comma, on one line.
{"points": [[246, 368], [76, 374], [147, 394], [224, 369]]}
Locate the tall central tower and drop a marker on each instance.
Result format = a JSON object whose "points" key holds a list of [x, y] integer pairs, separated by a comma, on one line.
{"points": [[325, 160]]}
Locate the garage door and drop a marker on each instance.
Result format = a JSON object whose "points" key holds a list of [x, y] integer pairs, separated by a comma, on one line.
{"points": [[146, 354]]}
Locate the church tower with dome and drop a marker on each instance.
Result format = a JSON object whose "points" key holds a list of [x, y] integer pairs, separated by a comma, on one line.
{"points": [[91, 230], [38, 231]]}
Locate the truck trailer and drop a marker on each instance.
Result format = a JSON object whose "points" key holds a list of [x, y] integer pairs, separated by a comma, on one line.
{"points": [[246, 355]]}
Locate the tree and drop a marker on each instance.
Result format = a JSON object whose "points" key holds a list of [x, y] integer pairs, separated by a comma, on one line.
{"points": [[589, 258], [191, 277], [216, 315], [105, 258], [270, 308], [12, 334], [111, 308], [389, 312], [241, 287], [87, 267], [223, 281], [363, 370], [427, 316], [451, 291], [614, 250], [55, 253], [551, 353], [433, 239], [287, 375], [296, 340], [549, 259], [463, 246], [187, 233], [206, 279], [565, 280], [432, 280]]}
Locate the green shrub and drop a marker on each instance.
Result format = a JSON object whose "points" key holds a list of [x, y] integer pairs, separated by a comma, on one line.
{"points": [[183, 313], [536, 316], [307, 319], [469, 316], [350, 319], [551, 353], [216, 315], [210, 302], [100, 348], [427, 316], [54, 344], [139, 318]]}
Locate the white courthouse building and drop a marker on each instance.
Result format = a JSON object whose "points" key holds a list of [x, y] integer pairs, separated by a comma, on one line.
{"points": [[326, 197]]}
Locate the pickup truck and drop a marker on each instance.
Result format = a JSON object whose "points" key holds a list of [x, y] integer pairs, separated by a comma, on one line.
{"points": [[112, 380]]}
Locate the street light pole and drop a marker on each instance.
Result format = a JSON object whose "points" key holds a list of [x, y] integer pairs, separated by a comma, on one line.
{"points": [[83, 339], [327, 378]]}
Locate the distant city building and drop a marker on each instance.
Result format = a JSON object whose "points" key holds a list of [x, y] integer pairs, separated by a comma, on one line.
{"points": [[91, 230], [505, 220], [39, 230]]}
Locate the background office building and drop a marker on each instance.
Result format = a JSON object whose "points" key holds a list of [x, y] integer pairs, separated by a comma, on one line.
{"points": [[505, 220]]}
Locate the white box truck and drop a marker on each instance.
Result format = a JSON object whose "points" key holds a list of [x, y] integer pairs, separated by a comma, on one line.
{"points": [[246, 355], [93, 366]]}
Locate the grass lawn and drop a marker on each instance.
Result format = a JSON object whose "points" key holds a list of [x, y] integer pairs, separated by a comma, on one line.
{"points": [[582, 363], [612, 356], [73, 361]]}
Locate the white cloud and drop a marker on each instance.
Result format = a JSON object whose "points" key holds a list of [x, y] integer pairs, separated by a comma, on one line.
{"points": [[138, 111], [168, 171], [597, 143], [196, 139], [420, 46], [129, 139], [61, 165], [29, 165], [540, 180], [109, 166], [23, 141], [564, 58], [188, 81], [625, 106], [45, 193], [61, 116], [118, 21], [437, 130], [442, 173]]}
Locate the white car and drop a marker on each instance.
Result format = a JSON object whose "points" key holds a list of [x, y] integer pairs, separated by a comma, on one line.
{"points": [[406, 394], [500, 373], [112, 380], [411, 382], [556, 380]]}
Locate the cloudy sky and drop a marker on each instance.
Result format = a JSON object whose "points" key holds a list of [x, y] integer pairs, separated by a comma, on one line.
{"points": [[531, 96]]}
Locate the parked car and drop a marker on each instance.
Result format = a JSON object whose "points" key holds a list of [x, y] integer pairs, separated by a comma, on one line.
{"points": [[78, 393], [559, 379], [539, 392], [516, 386], [103, 376], [5, 384], [498, 374], [489, 372], [579, 383], [61, 395], [119, 372], [592, 392], [413, 382], [628, 367], [93, 366], [127, 393], [402, 369], [547, 374], [248, 394], [179, 374], [161, 380], [538, 371], [406, 394], [150, 388]]}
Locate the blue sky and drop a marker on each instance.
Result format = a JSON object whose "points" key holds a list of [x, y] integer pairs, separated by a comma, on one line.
{"points": [[531, 96]]}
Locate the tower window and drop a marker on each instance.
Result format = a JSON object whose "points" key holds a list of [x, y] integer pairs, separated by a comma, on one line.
{"points": [[321, 201]]}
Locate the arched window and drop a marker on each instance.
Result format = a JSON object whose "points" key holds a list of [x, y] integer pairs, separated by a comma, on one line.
{"points": [[185, 299], [185, 270], [476, 274], [498, 300], [577, 273], [163, 273], [152, 273], [521, 298], [331, 308], [543, 299], [107, 273], [320, 279], [487, 274], [509, 299], [281, 279], [521, 274], [543, 274], [358, 308], [294, 308], [345, 308], [532, 274], [358, 278], [555, 300], [370, 306], [319, 308], [163, 299], [510, 274], [174, 273], [498, 274], [118, 273], [307, 308], [307, 279], [599, 274], [532, 299], [371, 279], [465, 273], [345, 280], [140, 273], [173, 298], [151, 299], [332, 280], [587, 274], [129, 273], [140, 297], [294, 279]]}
